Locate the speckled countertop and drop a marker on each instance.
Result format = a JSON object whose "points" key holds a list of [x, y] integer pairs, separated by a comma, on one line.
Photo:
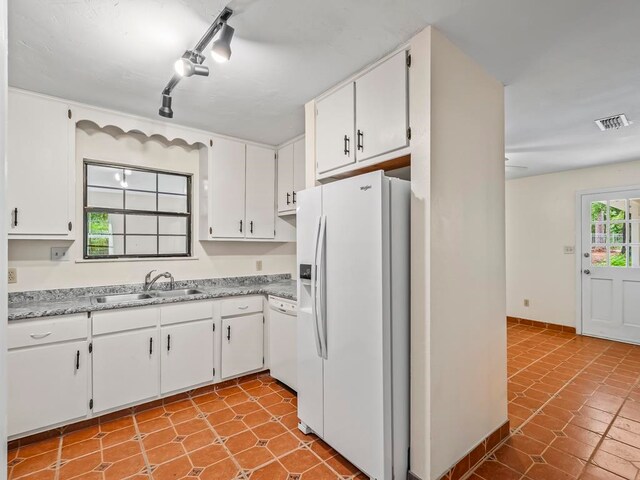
{"points": [[46, 303]]}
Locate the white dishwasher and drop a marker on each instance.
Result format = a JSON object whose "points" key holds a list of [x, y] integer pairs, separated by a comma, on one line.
{"points": [[282, 340]]}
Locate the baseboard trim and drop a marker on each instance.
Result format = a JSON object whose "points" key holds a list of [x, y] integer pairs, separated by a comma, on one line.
{"points": [[412, 476], [537, 323]]}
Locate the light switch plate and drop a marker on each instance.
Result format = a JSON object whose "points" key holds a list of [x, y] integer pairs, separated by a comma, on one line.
{"points": [[59, 254], [569, 249], [258, 265], [13, 275]]}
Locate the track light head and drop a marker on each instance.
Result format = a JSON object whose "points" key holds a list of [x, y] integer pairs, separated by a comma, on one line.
{"points": [[185, 68], [221, 47], [165, 110]]}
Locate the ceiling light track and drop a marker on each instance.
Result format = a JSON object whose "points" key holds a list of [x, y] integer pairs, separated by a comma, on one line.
{"points": [[191, 61]]}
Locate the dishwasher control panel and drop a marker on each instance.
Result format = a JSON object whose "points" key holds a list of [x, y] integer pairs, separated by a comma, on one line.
{"points": [[288, 306]]}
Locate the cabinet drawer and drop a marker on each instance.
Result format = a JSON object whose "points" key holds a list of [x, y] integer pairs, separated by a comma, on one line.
{"points": [[27, 333], [121, 320], [185, 312], [240, 306]]}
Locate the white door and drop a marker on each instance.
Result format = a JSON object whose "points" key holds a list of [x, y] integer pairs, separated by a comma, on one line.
{"points": [[611, 265], [187, 355], [126, 369], [310, 364], [47, 385], [285, 179], [242, 344], [382, 108], [38, 166], [335, 144], [261, 192], [299, 180], [355, 312], [227, 189]]}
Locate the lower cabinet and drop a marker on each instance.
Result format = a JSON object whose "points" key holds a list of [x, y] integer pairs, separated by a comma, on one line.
{"points": [[126, 368], [47, 385], [242, 344], [187, 355]]}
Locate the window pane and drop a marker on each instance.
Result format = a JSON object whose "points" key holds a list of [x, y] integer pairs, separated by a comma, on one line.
{"points": [[140, 201], [102, 223], [173, 225], [140, 180], [634, 256], [617, 210], [634, 232], [598, 233], [598, 211], [634, 209], [103, 245], [142, 224], [172, 203], [172, 183], [104, 176], [138, 245], [617, 232], [599, 256], [104, 198], [617, 256], [173, 245]]}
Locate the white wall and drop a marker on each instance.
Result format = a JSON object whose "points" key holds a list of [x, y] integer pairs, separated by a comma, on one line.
{"points": [[540, 221], [4, 221], [211, 259]]}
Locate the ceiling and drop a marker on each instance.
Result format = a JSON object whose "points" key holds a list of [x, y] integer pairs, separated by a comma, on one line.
{"points": [[564, 63]]}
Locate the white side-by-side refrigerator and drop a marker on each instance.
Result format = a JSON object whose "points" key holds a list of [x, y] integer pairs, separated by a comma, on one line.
{"points": [[353, 320]]}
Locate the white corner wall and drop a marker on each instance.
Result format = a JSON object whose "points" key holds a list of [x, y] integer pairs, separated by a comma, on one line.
{"points": [[540, 221]]}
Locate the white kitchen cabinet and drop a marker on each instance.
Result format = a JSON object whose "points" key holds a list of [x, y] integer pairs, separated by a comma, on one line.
{"points": [[126, 368], [242, 344], [260, 192], [40, 174], [382, 108], [335, 120], [227, 189], [291, 175], [187, 355], [47, 385]]}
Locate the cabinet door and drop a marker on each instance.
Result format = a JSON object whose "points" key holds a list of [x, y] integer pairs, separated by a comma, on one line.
{"points": [[38, 166], [125, 369], [335, 144], [242, 344], [261, 192], [285, 179], [47, 385], [298, 168], [187, 355], [382, 119], [227, 189]]}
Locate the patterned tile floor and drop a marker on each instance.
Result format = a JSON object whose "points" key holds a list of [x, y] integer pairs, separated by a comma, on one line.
{"points": [[574, 406], [248, 430]]}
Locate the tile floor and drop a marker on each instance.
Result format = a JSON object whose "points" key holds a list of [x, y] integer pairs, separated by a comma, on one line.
{"points": [[574, 406], [243, 431]]}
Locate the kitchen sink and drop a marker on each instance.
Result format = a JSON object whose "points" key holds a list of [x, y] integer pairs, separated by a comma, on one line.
{"points": [[176, 293], [121, 297]]}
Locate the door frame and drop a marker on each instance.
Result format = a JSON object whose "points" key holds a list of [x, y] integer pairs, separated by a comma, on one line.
{"points": [[578, 242]]}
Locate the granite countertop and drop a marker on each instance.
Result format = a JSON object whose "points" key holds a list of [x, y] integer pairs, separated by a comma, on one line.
{"points": [[46, 303]]}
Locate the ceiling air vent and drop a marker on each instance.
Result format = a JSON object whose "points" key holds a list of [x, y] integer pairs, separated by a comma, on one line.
{"points": [[614, 122]]}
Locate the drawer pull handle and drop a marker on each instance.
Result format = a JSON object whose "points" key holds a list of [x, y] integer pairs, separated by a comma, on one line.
{"points": [[38, 336], [243, 307]]}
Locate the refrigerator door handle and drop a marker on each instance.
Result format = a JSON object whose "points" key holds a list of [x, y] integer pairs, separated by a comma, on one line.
{"points": [[321, 303], [314, 288]]}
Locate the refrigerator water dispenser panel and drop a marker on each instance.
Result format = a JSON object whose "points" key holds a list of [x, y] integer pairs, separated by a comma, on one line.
{"points": [[305, 271]]}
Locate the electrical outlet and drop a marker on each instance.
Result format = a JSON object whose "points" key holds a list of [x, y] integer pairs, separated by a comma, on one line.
{"points": [[13, 275], [258, 265], [59, 254], [526, 302]]}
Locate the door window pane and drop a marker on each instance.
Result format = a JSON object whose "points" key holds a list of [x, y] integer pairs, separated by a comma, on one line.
{"points": [[599, 256], [599, 233], [617, 210], [617, 256], [617, 233], [598, 211]]}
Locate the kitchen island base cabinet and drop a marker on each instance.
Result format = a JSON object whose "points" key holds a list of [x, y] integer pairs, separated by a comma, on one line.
{"points": [[187, 355], [47, 385], [126, 369], [242, 344]]}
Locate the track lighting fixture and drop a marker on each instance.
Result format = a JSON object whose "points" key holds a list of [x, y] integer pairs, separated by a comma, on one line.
{"points": [[191, 61]]}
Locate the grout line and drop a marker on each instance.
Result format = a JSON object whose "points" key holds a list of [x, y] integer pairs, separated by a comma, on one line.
{"points": [[142, 448], [56, 474], [539, 359]]}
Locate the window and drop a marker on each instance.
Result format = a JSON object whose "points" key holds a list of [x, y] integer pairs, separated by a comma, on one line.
{"points": [[615, 233], [133, 212]]}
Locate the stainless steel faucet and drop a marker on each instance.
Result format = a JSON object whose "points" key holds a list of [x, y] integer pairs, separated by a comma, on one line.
{"points": [[149, 282]]}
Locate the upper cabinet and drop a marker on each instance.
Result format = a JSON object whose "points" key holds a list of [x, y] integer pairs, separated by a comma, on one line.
{"points": [[40, 174], [364, 121], [237, 194], [291, 175]]}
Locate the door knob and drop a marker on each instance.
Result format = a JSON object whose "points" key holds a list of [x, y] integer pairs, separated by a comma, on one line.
{"points": [[586, 271]]}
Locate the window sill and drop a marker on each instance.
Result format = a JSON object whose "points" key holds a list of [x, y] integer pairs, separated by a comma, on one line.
{"points": [[126, 260]]}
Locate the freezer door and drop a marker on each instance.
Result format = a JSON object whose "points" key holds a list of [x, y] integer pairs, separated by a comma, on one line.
{"points": [[356, 273], [310, 366]]}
